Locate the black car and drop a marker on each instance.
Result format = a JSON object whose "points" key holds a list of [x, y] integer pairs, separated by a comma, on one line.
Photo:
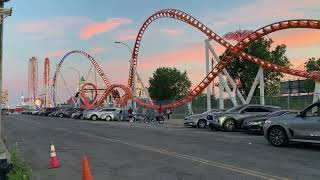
{"points": [[69, 112], [63, 112], [49, 110], [255, 124], [78, 114]]}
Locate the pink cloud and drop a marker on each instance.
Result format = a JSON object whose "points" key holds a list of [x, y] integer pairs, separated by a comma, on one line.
{"points": [[127, 35], [191, 54], [57, 53], [296, 39], [172, 32], [93, 29], [96, 50], [42, 29], [258, 11]]}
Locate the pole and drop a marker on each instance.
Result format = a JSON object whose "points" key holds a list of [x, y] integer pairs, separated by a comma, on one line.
{"points": [[1, 53], [134, 105]]}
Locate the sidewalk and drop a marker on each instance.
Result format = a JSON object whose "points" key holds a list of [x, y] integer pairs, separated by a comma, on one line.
{"points": [[4, 154]]}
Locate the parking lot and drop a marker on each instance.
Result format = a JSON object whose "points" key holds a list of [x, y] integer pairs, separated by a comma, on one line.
{"points": [[122, 150]]}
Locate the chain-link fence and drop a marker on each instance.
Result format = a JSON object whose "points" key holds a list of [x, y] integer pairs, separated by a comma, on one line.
{"points": [[199, 105]]}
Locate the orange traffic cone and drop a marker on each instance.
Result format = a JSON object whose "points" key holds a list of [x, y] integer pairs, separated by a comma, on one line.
{"points": [[86, 174], [54, 163]]}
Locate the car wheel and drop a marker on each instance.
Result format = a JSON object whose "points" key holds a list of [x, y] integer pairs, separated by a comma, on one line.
{"points": [[94, 117], [108, 118], [278, 137], [229, 125], [61, 115], [201, 124]]}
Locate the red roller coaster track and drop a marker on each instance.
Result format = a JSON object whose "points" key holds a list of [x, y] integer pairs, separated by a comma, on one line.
{"points": [[236, 50]]}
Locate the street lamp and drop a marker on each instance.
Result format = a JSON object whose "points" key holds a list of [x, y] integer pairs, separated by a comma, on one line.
{"points": [[134, 74]]}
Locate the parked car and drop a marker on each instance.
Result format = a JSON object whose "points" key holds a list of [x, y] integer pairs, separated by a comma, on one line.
{"points": [[199, 120], [41, 112], [301, 127], [123, 115], [68, 112], [232, 119], [49, 110], [78, 114], [34, 112], [255, 124], [97, 114], [63, 112], [86, 112]]}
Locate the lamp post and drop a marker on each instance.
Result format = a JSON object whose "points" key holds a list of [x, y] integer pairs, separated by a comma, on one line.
{"points": [[134, 105], [3, 14]]}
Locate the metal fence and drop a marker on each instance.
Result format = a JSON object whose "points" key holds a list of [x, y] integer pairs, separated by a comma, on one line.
{"points": [[199, 105]]}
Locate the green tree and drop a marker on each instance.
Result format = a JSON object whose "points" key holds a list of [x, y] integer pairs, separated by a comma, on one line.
{"points": [[312, 64], [247, 71], [169, 84]]}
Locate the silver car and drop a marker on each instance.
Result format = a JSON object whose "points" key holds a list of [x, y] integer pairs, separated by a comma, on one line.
{"points": [[301, 127], [99, 114], [199, 120]]}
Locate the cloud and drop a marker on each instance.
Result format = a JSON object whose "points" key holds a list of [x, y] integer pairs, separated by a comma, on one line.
{"points": [[43, 29], [297, 39], [57, 53], [95, 50], [172, 32], [126, 35], [93, 29], [259, 11]]}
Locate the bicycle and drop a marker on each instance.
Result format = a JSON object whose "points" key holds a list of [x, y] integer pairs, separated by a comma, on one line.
{"points": [[154, 118]]}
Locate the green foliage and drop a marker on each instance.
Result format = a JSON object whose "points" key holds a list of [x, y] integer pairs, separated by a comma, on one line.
{"points": [[247, 71], [20, 171], [169, 84], [312, 64]]}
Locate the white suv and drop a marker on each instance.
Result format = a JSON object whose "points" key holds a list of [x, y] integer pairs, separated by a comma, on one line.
{"points": [[99, 114]]}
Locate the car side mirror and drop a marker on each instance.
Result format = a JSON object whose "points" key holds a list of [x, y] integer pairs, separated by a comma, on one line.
{"points": [[209, 117], [300, 114]]}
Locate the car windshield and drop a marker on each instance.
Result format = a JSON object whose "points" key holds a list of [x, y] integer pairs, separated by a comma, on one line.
{"points": [[236, 109]]}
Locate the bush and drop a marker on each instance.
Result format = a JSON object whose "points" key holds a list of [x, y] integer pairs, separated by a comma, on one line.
{"points": [[20, 170]]}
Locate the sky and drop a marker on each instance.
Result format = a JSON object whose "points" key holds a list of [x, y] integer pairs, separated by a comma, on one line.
{"points": [[50, 28]]}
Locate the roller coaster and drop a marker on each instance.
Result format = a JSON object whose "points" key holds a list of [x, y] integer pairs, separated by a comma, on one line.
{"points": [[236, 50]]}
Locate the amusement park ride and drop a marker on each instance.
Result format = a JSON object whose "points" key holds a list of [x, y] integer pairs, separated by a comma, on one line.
{"points": [[217, 71]]}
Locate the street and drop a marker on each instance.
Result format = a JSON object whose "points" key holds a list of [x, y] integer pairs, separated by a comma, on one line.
{"points": [[119, 150]]}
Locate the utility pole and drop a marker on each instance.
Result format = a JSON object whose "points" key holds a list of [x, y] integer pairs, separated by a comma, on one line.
{"points": [[4, 14]]}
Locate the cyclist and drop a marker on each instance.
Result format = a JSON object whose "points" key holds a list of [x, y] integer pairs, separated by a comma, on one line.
{"points": [[160, 116]]}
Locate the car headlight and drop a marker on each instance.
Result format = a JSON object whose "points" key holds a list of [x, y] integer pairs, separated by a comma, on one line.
{"points": [[255, 123], [267, 121]]}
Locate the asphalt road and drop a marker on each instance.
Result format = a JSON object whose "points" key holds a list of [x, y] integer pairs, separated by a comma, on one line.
{"points": [[119, 150]]}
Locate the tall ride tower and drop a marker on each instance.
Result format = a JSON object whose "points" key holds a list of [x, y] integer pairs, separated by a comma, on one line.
{"points": [[33, 79]]}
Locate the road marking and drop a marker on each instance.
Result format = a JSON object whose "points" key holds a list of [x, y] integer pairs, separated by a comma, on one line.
{"points": [[183, 156], [177, 155]]}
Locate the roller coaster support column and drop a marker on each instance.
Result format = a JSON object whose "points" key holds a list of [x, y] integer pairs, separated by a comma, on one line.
{"points": [[254, 85], [207, 72], [261, 83]]}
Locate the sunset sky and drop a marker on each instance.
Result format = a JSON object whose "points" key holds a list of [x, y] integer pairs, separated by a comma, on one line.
{"points": [[50, 28]]}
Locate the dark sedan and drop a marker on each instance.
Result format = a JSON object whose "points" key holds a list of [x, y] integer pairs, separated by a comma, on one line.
{"points": [[255, 124]]}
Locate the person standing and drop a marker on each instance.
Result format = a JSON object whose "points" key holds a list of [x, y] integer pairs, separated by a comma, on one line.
{"points": [[130, 112], [168, 112]]}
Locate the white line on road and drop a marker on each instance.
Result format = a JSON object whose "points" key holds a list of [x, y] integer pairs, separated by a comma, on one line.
{"points": [[175, 154]]}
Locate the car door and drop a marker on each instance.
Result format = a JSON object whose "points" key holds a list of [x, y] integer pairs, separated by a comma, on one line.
{"points": [[307, 125]]}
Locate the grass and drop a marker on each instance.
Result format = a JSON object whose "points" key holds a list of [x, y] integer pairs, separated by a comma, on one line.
{"points": [[20, 170]]}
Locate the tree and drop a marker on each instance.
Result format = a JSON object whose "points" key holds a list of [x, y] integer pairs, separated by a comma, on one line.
{"points": [[312, 64], [169, 84], [246, 71]]}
